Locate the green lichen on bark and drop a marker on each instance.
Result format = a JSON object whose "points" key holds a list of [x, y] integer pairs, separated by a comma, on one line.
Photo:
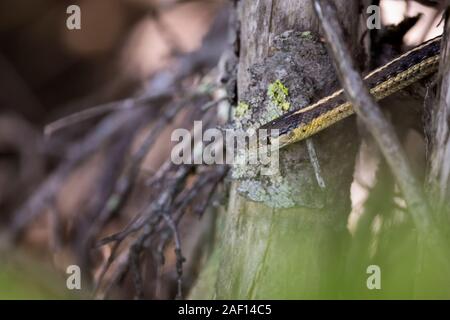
{"points": [[307, 34], [241, 109], [279, 95]]}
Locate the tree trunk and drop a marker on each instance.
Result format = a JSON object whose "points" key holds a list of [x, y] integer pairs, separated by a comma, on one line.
{"points": [[283, 236]]}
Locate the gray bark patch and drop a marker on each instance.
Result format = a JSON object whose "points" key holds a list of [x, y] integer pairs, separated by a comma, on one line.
{"points": [[296, 73]]}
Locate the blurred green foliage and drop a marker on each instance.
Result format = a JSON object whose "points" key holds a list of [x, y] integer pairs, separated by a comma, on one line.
{"points": [[25, 278]]}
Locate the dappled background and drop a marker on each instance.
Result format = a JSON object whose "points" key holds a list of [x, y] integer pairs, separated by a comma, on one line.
{"points": [[85, 123]]}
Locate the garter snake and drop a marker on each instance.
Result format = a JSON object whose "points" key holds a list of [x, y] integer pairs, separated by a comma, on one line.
{"points": [[397, 74]]}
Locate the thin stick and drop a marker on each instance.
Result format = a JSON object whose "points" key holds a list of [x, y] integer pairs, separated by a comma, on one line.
{"points": [[383, 131]]}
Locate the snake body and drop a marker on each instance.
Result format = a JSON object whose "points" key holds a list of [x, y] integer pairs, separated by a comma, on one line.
{"points": [[396, 75]]}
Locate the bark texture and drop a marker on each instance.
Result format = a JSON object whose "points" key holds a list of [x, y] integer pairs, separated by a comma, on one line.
{"points": [[295, 250]]}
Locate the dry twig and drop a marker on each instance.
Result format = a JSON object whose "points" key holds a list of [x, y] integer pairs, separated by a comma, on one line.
{"points": [[383, 132]]}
